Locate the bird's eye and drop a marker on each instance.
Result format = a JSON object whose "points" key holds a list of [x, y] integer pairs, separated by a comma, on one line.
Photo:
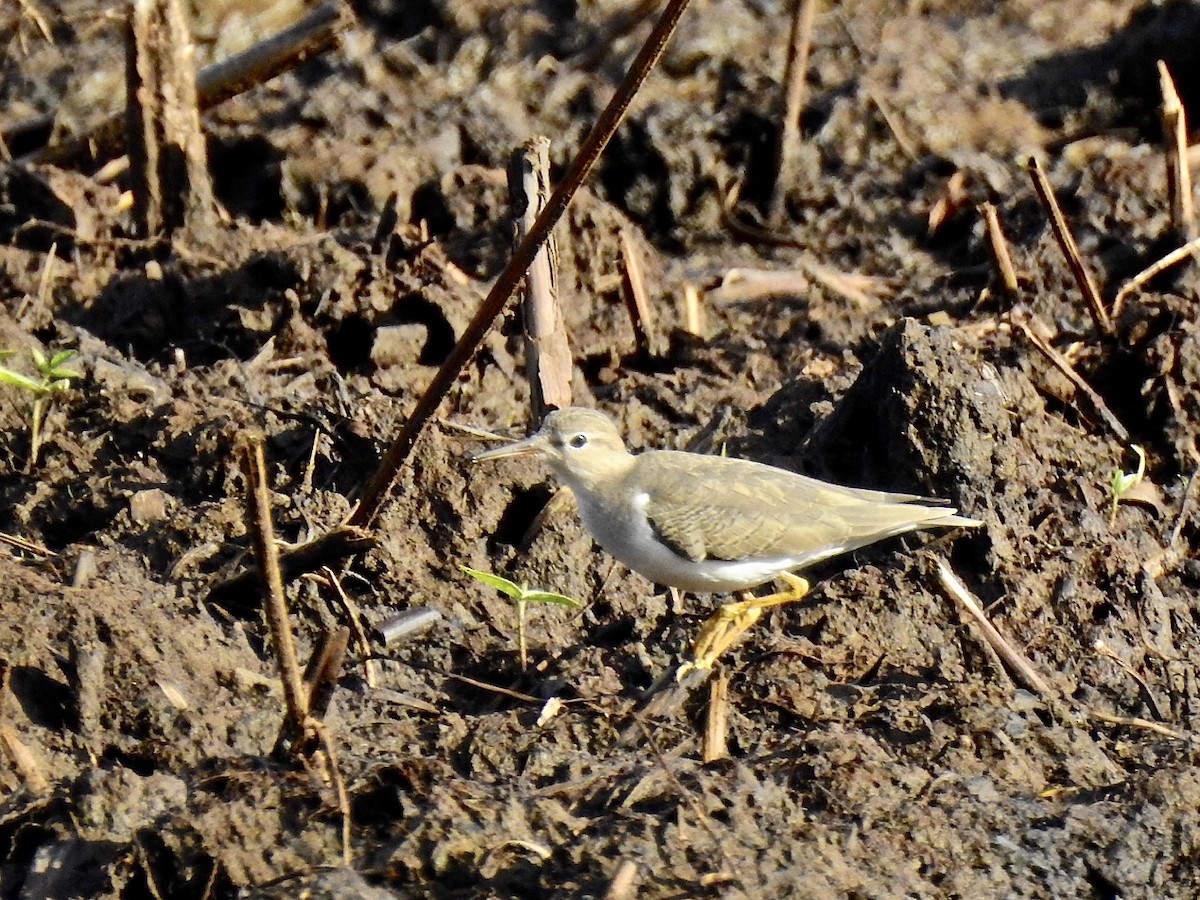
{"points": [[578, 441]]}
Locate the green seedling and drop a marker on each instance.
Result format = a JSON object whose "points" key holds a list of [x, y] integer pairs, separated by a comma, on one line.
{"points": [[521, 596], [1125, 482], [53, 378]]}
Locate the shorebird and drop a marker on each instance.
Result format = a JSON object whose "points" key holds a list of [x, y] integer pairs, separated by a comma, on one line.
{"points": [[710, 524]]}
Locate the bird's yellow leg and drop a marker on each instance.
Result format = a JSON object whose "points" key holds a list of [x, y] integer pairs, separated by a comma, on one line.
{"points": [[732, 620]]}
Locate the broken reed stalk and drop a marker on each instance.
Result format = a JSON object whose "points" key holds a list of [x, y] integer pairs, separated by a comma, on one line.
{"points": [[795, 89], [999, 247], [1059, 362], [504, 286], [258, 521], [1179, 178], [548, 361], [1066, 242], [1017, 664], [312, 35], [716, 722], [693, 311], [1176, 256], [637, 300], [167, 152]]}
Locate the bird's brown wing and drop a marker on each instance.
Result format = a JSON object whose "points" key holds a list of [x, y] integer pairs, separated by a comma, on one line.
{"points": [[715, 508], [742, 515]]}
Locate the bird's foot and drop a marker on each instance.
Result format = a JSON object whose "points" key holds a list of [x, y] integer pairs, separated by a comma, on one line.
{"points": [[732, 620]]}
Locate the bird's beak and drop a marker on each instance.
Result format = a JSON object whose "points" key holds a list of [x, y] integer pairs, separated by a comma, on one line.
{"points": [[535, 443]]}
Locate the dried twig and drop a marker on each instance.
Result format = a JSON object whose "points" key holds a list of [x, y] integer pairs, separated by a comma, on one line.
{"points": [[258, 522], [1176, 256], [716, 722], [375, 491], [338, 544], [1056, 359], [1179, 178], [167, 152], [1135, 722], [693, 311], [361, 640], [22, 544], [547, 354], [637, 300], [1066, 242], [795, 87], [1147, 695], [999, 246], [1021, 668]]}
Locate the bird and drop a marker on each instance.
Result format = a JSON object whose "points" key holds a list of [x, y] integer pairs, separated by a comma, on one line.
{"points": [[714, 524]]}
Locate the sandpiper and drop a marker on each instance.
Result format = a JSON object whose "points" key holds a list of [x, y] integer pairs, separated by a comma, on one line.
{"points": [[710, 524]]}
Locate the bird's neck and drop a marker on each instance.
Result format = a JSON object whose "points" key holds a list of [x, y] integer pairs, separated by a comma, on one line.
{"points": [[600, 476]]}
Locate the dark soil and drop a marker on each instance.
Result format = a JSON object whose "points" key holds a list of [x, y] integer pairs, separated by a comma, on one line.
{"points": [[877, 746]]}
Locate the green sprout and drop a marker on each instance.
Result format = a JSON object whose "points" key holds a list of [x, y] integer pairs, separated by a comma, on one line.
{"points": [[522, 597], [54, 379], [1124, 482]]}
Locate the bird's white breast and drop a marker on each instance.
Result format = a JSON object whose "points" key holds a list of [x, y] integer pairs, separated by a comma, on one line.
{"points": [[624, 531]]}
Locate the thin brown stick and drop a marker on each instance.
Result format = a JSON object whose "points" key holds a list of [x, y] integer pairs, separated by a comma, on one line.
{"points": [[1179, 177], [637, 299], [312, 35], [1147, 695], [258, 522], [344, 541], [999, 246], [1066, 242], [377, 489], [22, 544], [1021, 668], [1135, 722], [716, 722], [361, 641], [1176, 256], [339, 790], [1059, 362], [548, 361], [795, 90], [324, 666]]}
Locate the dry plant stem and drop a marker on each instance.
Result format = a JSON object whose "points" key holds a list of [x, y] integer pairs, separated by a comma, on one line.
{"points": [[312, 35], [1187, 251], [344, 541], [22, 544], [1135, 722], [1179, 178], [999, 246], [1066, 242], [1059, 362], [167, 152], [548, 361], [321, 673], [506, 283], [1147, 695], [22, 760], [637, 301], [258, 520], [795, 87], [693, 311], [361, 641], [716, 723], [1021, 668]]}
